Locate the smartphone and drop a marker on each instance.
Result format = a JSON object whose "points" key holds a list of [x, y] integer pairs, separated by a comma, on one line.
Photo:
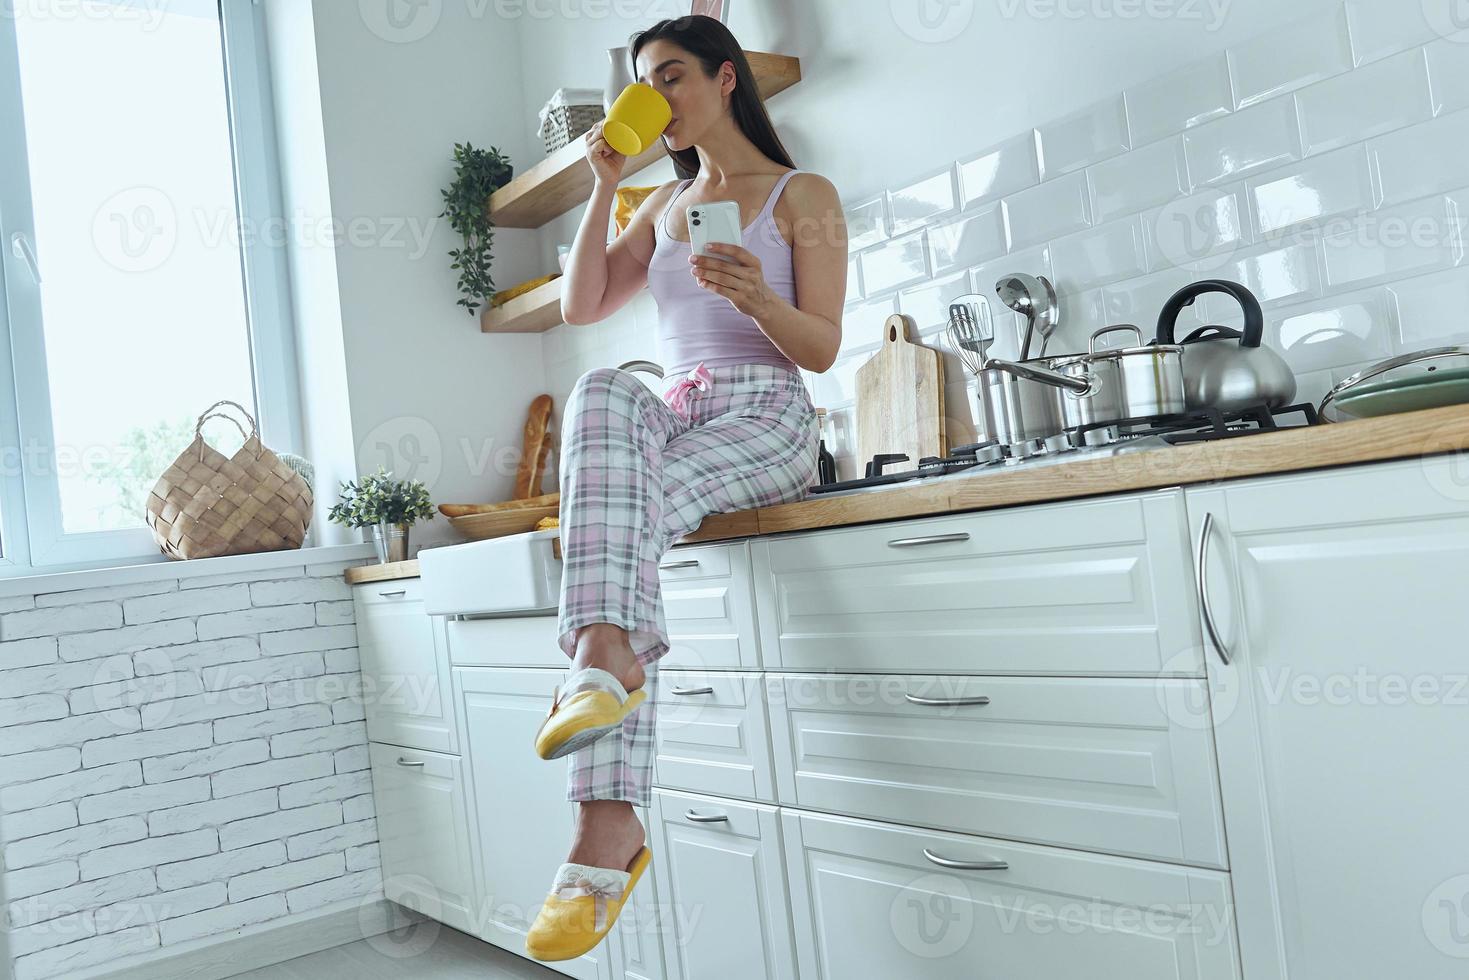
{"points": [[714, 221]]}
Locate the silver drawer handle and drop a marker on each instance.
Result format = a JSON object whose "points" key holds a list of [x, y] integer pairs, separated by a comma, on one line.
{"points": [[411, 765], [929, 539], [692, 690], [398, 592], [685, 563], [704, 817], [944, 862], [1203, 582], [947, 702]]}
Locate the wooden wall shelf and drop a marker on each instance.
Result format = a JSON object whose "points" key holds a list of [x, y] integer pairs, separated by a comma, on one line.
{"points": [[564, 179], [534, 312]]}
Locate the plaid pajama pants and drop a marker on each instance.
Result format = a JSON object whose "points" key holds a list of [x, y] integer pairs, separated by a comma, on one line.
{"points": [[635, 476]]}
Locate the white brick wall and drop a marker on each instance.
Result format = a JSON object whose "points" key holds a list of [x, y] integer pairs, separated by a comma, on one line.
{"points": [[172, 765]]}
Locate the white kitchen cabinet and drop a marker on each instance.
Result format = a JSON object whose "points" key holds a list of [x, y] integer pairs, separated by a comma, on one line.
{"points": [[1120, 765], [874, 901], [423, 833], [1340, 717], [405, 667], [523, 822], [709, 607], [506, 641], [721, 877], [712, 734], [637, 938], [1092, 587]]}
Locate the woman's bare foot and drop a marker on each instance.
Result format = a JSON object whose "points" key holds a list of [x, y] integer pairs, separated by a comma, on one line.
{"points": [[608, 834], [606, 646]]}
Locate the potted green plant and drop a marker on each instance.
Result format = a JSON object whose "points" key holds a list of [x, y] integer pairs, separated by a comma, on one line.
{"points": [[477, 175], [390, 507]]}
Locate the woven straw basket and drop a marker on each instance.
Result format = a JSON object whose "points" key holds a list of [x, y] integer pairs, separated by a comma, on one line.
{"points": [[205, 505]]}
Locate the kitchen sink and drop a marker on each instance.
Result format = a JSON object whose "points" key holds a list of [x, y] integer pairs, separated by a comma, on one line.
{"points": [[516, 573]]}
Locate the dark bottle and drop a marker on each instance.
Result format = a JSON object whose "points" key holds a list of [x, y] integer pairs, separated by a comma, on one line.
{"points": [[826, 466]]}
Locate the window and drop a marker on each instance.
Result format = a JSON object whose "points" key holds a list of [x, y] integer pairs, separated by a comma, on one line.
{"points": [[144, 269]]}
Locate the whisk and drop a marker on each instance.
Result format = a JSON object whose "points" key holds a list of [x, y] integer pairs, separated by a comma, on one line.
{"points": [[969, 336]]}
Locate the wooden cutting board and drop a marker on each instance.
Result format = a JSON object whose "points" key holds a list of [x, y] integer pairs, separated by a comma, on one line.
{"points": [[900, 400]]}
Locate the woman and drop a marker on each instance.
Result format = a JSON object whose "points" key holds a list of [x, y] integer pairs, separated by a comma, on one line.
{"points": [[734, 429]]}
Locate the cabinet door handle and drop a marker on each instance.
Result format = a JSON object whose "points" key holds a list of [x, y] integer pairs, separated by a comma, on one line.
{"points": [[705, 817], [410, 765], [929, 539], [396, 592], [944, 862], [692, 690], [947, 702], [1202, 577], [685, 563]]}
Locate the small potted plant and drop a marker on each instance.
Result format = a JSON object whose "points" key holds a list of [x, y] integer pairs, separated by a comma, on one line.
{"points": [[390, 507]]}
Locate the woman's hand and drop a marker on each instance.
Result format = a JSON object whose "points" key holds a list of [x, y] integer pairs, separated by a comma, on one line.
{"points": [[606, 162], [740, 281]]}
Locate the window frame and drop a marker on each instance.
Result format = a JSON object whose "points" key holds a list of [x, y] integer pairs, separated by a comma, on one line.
{"points": [[31, 531]]}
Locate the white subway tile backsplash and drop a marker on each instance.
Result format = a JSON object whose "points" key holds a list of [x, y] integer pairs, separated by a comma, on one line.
{"points": [[1100, 255], [1191, 230], [895, 264], [1050, 210], [1322, 187], [1421, 160], [1333, 332], [970, 240], [1002, 170], [1136, 181], [1274, 274], [1448, 75], [1287, 58], [1430, 309], [1186, 97], [1139, 301], [1398, 242], [922, 201], [928, 304], [1380, 98], [1083, 138], [867, 223], [1246, 142], [854, 280], [1383, 27]]}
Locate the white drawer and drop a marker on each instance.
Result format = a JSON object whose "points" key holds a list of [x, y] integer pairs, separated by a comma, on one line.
{"points": [[868, 902], [1116, 765], [709, 607], [721, 873], [505, 641], [405, 669], [1097, 587], [713, 737], [393, 590], [422, 824]]}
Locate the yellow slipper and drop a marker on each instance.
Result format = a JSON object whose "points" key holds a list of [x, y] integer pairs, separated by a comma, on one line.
{"points": [[591, 704], [582, 906]]}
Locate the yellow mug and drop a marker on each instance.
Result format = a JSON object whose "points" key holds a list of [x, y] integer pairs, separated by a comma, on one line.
{"points": [[636, 119]]}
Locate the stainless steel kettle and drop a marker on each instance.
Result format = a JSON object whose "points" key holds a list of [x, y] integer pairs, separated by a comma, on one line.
{"points": [[1225, 368]]}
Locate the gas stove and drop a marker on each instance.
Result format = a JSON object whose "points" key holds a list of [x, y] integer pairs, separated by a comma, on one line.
{"points": [[1116, 438]]}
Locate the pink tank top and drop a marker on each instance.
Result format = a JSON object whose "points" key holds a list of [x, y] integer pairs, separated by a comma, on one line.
{"points": [[697, 324]]}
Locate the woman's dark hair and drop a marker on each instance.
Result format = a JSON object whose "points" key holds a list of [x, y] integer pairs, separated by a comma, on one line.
{"points": [[708, 40]]}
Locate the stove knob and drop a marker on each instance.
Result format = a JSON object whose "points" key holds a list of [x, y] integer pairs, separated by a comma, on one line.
{"points": [[874, 467]]}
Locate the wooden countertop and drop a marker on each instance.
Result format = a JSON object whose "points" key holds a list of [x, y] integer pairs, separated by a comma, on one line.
{"points": [[1408, 435]]}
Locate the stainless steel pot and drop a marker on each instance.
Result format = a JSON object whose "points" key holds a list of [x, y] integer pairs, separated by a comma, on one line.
{"points": [[1020, 412], [1224, 368], [1151, 376]]}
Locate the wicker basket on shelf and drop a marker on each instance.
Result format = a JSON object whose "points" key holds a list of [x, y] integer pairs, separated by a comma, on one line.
{"points": [[206, 505], [569, 114]]}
